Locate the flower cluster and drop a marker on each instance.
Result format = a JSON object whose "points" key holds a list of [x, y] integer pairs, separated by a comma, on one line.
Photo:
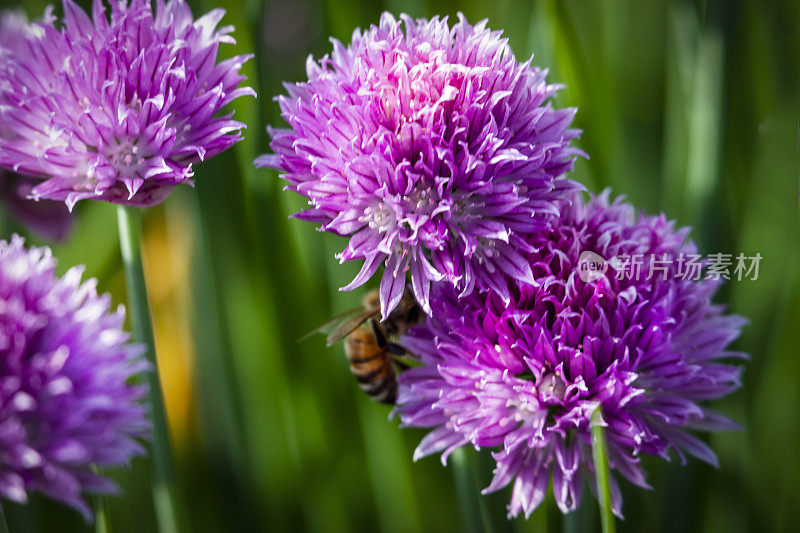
{"points": [[639, 355], [441, 158], [65, 398], [117, 108], [433, 149]]}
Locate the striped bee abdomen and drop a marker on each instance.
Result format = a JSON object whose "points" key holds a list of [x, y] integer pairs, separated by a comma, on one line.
{"points": [[371, 364]]}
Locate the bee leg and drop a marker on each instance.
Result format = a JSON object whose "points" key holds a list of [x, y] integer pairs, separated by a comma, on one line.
{"points": [[380, 338], [396, 349]]}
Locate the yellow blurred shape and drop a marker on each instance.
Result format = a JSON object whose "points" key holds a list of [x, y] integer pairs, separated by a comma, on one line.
{"points": [[167, 253]]}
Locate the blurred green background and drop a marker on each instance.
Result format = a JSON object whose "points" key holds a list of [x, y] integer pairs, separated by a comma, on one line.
{"points": [[690, 108]]}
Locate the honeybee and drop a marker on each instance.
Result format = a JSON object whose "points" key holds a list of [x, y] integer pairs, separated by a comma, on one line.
{"points": [[370, 352]]}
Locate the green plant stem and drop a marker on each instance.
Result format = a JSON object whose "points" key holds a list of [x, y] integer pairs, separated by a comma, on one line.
{"points": [[468, 490], [101, 524], [100, 516], [163, 472], [3, 523], [602, 475]]}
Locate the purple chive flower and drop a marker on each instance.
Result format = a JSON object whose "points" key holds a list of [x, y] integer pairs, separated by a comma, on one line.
{"points": [[528, 377], [51, 220], [432, 148], [65, 364], [118, 109]]}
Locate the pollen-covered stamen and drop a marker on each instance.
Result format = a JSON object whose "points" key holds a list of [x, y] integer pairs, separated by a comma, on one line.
{"points": [[484, 252], [424, 215], [378, 217], [486, 247], [421, 200], [127, 158], [551, 387], [85, 178]]}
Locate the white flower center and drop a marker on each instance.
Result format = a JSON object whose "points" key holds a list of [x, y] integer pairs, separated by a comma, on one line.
{"points": [[551, 385], [126, 159], [128, 155], [377, 217]]}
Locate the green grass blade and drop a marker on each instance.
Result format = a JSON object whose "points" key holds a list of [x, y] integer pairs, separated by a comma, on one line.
{"points": [[164, 487], [602, 474]]}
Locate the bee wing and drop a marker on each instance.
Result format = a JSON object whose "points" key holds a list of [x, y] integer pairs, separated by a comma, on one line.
{"points": [[332, 324], [349, 325], [341, 325]]}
